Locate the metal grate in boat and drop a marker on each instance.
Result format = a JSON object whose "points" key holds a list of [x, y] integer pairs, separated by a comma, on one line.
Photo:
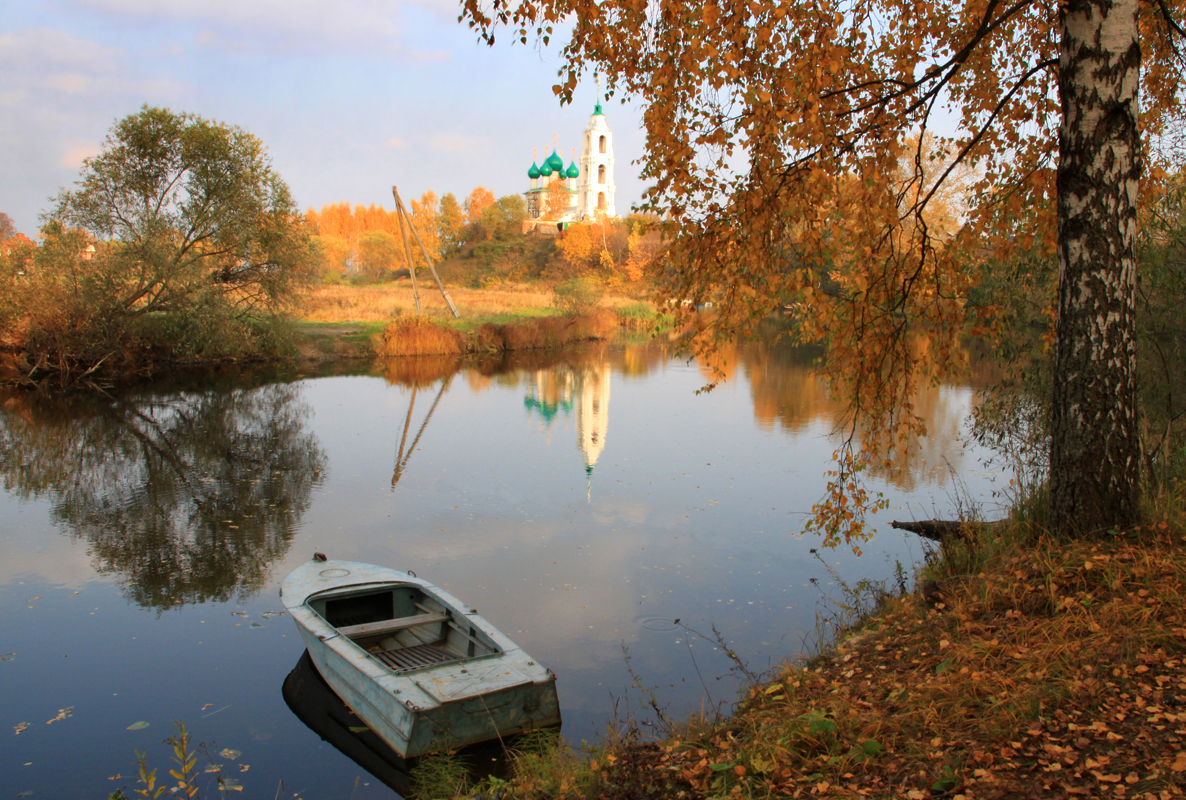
{"points": [[406, 658]]}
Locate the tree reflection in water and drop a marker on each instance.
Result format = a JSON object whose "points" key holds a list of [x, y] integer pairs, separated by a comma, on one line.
{"points": [[190, 495]]}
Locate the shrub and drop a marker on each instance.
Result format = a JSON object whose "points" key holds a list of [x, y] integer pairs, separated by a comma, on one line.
{"points": [[576, 296], [416, 336], [642, 317]]}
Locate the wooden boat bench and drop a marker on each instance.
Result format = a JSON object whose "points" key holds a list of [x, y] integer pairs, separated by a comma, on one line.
{"points": [[391, 625]]}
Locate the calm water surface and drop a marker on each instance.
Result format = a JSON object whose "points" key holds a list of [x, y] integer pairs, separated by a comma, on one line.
{"points": [[582, 502]]}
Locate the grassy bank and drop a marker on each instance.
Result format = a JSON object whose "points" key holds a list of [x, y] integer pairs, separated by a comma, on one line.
{"points": [[1027, 666], [417, 336], [361, 321], [340, 304]]}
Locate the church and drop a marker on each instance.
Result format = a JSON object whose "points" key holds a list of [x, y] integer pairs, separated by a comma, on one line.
{"points": [[560, 194]]}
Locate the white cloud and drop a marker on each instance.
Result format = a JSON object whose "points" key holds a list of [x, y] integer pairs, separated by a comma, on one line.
{"points": [[456, 143], [69, 82], [75, 154], [345, 25], [60, 95], [43, 61], [51, 52]]}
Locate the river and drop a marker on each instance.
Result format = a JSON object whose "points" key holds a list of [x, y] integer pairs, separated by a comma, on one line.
{"points": [[582, 501]]}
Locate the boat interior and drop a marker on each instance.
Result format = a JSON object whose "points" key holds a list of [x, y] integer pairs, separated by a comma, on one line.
{"points": [[402, 626]]}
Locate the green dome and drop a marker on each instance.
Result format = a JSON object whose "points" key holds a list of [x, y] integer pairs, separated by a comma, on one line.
{"points": [[533, 173], [545, 169], [573, 172], [555, 162], [597, 112]]}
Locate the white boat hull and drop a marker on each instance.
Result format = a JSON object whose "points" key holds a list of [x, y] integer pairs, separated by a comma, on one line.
{"points": [[492, 691]]}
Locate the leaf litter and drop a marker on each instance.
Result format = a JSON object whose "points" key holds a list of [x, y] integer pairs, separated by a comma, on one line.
{"points": [[1027, 674]]}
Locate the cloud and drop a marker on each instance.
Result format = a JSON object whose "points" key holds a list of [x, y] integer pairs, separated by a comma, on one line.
{"points": [[50, 52], [43, 63], [60, 94], [302, 25], [396, 143], [75, 154], [456, 143]]}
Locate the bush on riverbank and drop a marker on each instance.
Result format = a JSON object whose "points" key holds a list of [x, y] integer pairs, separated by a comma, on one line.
{"points": [[417, 336]]}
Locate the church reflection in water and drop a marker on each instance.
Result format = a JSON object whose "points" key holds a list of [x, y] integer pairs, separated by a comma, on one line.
{"points": [[583, 389]]}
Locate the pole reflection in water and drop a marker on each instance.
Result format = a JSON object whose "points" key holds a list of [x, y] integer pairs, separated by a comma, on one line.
{"points": [[405, 450]]}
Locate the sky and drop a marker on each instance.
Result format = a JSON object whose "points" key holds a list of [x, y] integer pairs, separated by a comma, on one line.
{"points": [[349, 96]]}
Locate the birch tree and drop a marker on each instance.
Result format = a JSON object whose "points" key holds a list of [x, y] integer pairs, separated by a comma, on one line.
{"points": [[775, 134]]}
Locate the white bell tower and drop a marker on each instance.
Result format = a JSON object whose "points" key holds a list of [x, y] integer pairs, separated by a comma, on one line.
{"points": [[595, 193]]}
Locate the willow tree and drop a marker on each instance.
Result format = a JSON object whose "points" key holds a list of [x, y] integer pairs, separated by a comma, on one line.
{"points": [[787, 143]]}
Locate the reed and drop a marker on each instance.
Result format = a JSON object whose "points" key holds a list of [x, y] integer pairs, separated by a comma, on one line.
{"points": [[418, 336]]}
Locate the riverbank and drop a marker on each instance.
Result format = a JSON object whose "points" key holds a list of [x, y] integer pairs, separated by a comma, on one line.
{"points": [[381, 320], [342, 322], [1027, 666]]}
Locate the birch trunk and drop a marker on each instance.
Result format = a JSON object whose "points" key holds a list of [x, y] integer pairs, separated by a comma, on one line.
{"points": [[1095, 449]]}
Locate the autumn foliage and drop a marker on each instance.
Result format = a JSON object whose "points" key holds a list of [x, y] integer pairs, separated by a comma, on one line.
{"points": [[796, 150]]}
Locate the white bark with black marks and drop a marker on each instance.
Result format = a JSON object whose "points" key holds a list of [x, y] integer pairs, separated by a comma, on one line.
{"points": [[1095, 451]]}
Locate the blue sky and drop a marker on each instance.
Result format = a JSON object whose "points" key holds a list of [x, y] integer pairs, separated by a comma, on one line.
{"points": [[350, 96]]}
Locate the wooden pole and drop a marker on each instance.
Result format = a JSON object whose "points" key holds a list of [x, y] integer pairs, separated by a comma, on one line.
{"points": [[407, 251], [427, 259]]}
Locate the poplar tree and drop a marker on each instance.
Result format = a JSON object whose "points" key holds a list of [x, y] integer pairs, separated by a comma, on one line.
{"points": [[787, 143], [451, 225]]}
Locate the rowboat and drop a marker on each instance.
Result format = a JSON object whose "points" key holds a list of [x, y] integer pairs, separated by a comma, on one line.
{"points": [[424, 671]]}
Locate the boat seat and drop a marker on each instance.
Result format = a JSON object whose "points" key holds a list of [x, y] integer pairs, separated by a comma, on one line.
{"points": [[391, 625], [403, 659]]}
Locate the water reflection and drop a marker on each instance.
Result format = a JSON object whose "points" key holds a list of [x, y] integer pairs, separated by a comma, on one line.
{"points": [[583, 387], [189, 496], [314, 703], [787, 394]]}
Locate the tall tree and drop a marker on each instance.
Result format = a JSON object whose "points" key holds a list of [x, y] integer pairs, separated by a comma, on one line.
{"points": [[424, 218], [190, 207], [1095, 457], [378, 252], [775, 132], [476, 203], [450, 225], [7, 227], [556, 200]]}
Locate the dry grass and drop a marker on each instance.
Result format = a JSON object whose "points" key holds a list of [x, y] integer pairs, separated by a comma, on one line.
{"points": [[382, 302], [418, 336]]}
